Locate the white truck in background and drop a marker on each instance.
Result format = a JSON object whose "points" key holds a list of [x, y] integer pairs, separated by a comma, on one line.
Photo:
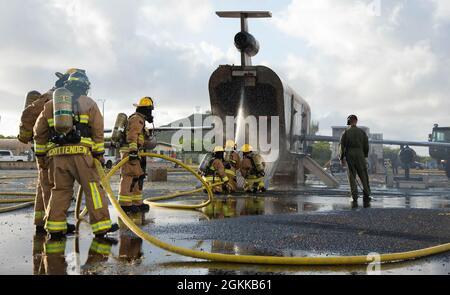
{"points": [[8, 156]]}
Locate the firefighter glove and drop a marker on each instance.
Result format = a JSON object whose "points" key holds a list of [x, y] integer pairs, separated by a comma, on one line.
{"points": [[133, 156]]}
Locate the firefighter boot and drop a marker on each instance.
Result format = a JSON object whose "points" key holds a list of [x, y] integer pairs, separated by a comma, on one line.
{"points": [[144, 208], [130, 209], [114, 228]]}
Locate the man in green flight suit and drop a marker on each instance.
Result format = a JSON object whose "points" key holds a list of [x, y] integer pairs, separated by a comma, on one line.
{"points": [[354, 151]]}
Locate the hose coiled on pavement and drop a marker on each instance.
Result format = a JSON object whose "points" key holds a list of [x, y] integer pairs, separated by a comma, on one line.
{"points": [[217, 257], [249, 259]]}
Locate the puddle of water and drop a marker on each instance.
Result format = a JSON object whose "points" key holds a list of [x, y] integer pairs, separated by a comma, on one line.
{"points": [[228, 207], [23, 253]]}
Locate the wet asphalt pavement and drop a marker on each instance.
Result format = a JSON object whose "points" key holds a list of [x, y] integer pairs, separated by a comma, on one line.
{"points": [[354, 232], [289, 223]]}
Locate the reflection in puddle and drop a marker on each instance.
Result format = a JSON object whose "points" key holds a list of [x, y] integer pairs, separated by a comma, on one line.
{"points": [[138, 219], [53, 257], [228, 207], [130, 255], [130, 250], [232, 207], [49, 256]]}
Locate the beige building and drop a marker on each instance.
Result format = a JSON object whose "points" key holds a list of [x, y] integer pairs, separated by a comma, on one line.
{"points": [[376, 155]]}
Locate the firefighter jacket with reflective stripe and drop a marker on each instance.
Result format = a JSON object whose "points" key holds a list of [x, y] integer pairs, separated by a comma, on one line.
{"points": [[135, 132], [232, 163], [252, 165], [217, 169], [30, 115], [88, 116]]}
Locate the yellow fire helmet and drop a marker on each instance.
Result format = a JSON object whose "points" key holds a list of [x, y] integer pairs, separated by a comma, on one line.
{"points": [[246, 148], [70, 72], [218, 149], [145, 102], [73, 70], [230, 145]]}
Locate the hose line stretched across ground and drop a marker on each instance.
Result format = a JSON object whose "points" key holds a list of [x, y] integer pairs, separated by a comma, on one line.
{"points": [[27, 202], [248, 259]]}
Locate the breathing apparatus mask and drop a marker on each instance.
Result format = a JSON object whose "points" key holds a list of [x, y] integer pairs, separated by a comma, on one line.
{"points": [[62, 78], [218, 155], [78, 83], [146, 112], [78, 89]]}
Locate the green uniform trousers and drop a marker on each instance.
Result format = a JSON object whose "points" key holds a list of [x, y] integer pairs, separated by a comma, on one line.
{"points": [[357, 166]]}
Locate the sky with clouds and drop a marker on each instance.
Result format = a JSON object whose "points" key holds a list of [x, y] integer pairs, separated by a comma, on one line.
{"points": [[386, 61]]}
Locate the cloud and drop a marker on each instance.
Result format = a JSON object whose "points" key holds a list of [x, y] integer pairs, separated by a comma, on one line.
{"points": [[387, 61], [390, 68], [129, 51]]}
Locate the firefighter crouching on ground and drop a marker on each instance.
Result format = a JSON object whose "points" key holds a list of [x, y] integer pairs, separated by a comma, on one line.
{"points": [[70, 131], [232, 163], [252, 169], [131, 181], [34, 105], [215, 171]]}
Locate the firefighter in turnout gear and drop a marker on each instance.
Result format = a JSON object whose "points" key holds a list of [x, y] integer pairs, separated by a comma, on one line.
{"points": [[232, 163], [132, 173], [252, 169], [354, 151], [70, 132], [215, 171], [34, 105]]}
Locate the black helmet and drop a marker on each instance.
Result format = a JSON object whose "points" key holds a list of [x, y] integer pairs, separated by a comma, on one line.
{"points": [[350, 118], [78, 83]]}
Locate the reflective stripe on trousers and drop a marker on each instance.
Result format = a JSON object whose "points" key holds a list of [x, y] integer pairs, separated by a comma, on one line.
{"points": [[101, 226], [55, 226], [55, 247], [96, 198], [254, 179], [125, 199], [100, 248]]}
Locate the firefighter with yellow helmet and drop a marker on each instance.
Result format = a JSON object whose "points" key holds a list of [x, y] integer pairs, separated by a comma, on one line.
{"points": [[34, 105], [70, 132], [252, 169], [232, 163], [215, 171], [132, 173]]}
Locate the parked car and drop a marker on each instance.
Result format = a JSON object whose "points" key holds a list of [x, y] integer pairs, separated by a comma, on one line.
{"points": [[8, 156], [110, 161]]}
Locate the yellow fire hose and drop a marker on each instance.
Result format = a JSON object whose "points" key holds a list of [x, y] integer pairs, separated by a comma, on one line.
{"points": [[249, 259], [27, 202], [79, 215], [17, 194], [16, 207], [217, 257]]}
